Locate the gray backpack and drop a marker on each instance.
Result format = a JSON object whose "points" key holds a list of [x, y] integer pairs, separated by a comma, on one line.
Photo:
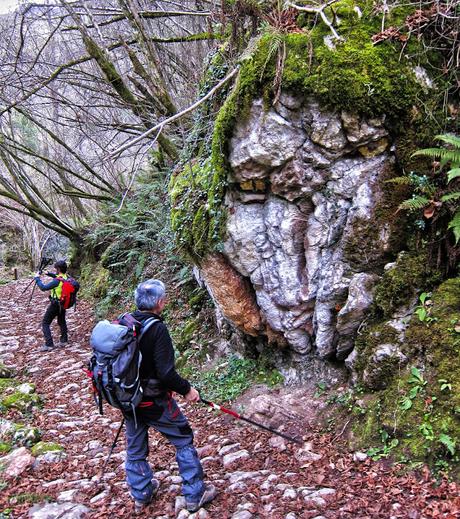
{"points": [[114, 366]]}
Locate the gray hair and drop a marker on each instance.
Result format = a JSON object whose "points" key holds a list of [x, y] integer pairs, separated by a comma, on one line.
{"points": [[149, 293]]}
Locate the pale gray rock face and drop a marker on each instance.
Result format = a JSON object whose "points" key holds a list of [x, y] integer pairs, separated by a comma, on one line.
{"points": [[308, 240], [360, 297], [264, 141]]}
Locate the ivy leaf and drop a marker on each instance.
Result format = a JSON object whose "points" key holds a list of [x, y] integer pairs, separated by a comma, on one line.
{"points": [[413, 392], [423, 296], [417, 377], [406, 403], [422, 313]]}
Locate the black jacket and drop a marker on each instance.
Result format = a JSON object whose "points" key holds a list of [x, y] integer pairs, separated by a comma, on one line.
{"points": [[158, 356]]}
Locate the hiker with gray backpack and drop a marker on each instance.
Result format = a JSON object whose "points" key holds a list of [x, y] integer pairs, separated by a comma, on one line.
{"points": [[133, 369]]}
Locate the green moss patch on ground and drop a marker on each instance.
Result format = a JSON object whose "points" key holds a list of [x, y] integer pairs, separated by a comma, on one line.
{"points": [[229, 378], [20, 401], [43, 447]]}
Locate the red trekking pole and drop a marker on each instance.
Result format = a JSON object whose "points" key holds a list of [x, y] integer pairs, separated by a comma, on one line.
{"points": [[248, 420]]}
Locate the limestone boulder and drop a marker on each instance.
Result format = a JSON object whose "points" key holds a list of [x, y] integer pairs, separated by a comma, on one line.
{"points": [[351, 315], [305, 240]]}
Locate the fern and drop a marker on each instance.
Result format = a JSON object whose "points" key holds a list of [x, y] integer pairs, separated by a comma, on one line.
{"points": [[415, 203], [453, 173], [451, 196], [276, 41], [448, 442], [443, 154], [400, 181], [449, 138], [454, 224]]}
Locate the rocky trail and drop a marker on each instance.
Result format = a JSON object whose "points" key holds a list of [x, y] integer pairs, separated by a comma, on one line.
{"points": [[258, 475]]}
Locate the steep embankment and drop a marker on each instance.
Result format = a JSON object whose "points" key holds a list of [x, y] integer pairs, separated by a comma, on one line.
{"points": [[257, 475]]}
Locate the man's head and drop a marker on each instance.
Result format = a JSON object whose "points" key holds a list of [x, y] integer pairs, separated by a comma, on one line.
{"points": [[150, 295], [61, 267]]}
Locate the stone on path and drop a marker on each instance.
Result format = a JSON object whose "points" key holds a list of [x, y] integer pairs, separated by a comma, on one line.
{"points": [[243, 514], [227, 449], [61, 511], [68, 495], [179, 504], [235, 457], [16, 462], [360, 456]]}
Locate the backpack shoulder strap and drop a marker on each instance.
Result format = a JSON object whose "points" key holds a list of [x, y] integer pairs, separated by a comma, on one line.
{"points": [[146, 326]]}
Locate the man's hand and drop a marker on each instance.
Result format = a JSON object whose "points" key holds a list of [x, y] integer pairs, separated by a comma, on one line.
{"points": [[192, 395]]}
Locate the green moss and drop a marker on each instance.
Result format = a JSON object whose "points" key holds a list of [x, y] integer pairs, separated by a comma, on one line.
{"points": [[44, 447], [366, 345], [22, 402], [4, 448], [7, 383], [94, 280], [357, 76], [30, 497], [410, 274], [423, 415], [196, 217], [229, 379]]}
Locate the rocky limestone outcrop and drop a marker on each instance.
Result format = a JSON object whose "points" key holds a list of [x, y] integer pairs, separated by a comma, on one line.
{"points": [[306, 238]]}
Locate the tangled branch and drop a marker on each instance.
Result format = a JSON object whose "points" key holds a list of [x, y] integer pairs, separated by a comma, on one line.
{"points": [[318, 10]]}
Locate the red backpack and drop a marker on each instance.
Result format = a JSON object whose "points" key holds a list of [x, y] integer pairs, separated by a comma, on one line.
{"points": [[70, 287]]}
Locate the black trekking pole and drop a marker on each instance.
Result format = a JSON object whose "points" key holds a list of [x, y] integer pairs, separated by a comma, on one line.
{"points": [[111, 449], [43, 263], [248, 420]]}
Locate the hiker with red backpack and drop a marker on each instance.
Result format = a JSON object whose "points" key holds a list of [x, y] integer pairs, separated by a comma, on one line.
{"points": [[63, 291], [133, 370]]}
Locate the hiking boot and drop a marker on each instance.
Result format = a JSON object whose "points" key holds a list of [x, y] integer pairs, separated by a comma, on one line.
{"points": [[210, 492], [140, 506], [45, 347]]}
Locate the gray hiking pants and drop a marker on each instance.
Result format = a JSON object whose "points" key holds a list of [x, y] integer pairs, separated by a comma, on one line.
{"points": [[164, 416]]}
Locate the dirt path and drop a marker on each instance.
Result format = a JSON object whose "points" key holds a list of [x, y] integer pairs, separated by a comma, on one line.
{"points": [[257, 476]]}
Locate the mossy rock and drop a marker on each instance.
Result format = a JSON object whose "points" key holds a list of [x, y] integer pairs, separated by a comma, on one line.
{"points": [[20, 401], [6, 372], [25, 436], [410, 274], [43, 447], [18, 434], [423, 412], [355, 75]]}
